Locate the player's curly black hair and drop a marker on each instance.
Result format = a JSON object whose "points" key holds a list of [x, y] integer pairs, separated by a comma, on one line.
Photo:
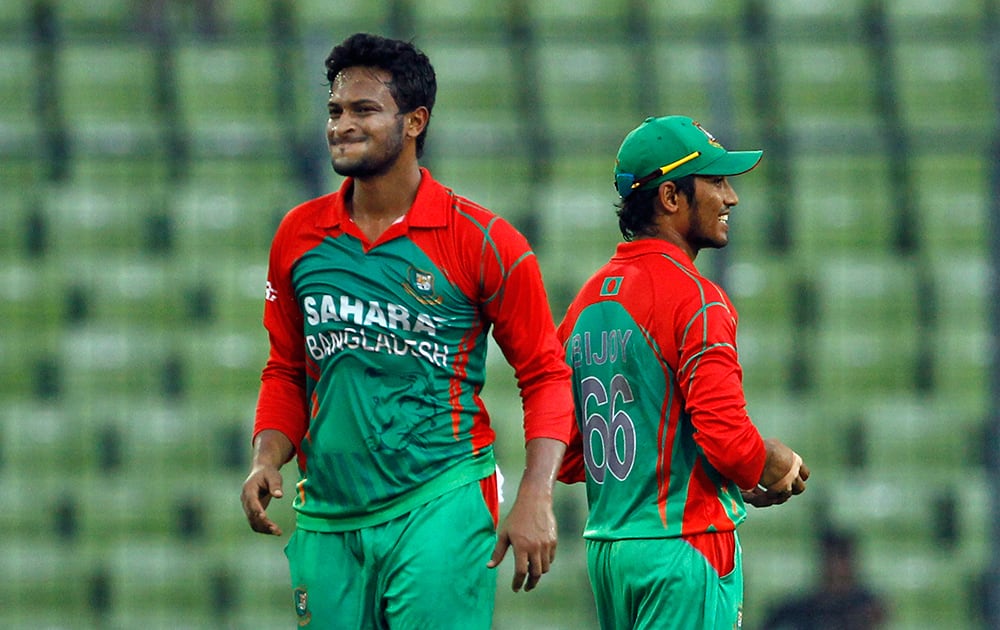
{"points": [[637, 212], [414, 83]]}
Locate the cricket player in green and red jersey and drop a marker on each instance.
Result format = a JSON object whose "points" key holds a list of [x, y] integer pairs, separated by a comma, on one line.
{"points": [[380, 297], [663, 439]]}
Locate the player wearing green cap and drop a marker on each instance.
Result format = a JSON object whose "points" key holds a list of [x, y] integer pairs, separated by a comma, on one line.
{"points": [[380, 297], [663, 439]]}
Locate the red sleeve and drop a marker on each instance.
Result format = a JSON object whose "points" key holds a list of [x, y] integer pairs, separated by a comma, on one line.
{"points": [[712, 381], [572, 469], [516, 304], [282, 404]]}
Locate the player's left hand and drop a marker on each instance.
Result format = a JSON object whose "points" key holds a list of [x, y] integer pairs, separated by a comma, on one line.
{"points": [[764, 497], [530, 528], [760, 498]]}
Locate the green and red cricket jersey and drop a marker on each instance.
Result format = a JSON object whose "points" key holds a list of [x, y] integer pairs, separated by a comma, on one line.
{"points": [[662, 437], [378, 352]]}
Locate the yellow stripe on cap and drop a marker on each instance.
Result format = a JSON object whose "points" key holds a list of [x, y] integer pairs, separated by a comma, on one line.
{"points": [[669, 167]]}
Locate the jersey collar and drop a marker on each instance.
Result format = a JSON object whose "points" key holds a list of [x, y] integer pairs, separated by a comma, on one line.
{"points": [[644, 246], [430, 209]]}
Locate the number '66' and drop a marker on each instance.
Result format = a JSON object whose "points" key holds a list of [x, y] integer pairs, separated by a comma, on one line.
{"points": [[601, 434]]}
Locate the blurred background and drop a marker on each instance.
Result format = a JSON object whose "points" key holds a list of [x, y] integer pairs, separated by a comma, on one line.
{"points": [[148, 150]]}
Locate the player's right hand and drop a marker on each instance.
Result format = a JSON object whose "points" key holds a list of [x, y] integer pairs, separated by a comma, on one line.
{"points": [[261, 485]]}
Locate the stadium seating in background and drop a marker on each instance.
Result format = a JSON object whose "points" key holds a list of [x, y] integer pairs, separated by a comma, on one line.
{"points": [[19, 124], [148, 153], [333, 21], [227, 98]]}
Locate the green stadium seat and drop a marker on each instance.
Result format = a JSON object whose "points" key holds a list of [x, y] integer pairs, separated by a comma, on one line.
{"points": [[569, 603], [955, 220], [924, 589], [477, 86], [580, 194], [702, 20], [901, 507], [904, 431], [24, 379], [928, 588], [827, 88], [115, 357], [465, 21], [233, 206], [181, 355], [477, 131], [575, 19], [771, 569], [38, 437], [867, 336], [84, 20], [923, 20], [132, 291], [34, 300], [107, 97], [792, 14], [760, 286], [766, 355], [960, 279], [331, 22], [104, 206], [879, 289], [19, 124], [228, 98], [962, 284], [207, 19], [952, 195], [52, 576], [842, 204], [248, 17], [19, 223], [157, 582], [718, 82], [14, 18], [21, 178], [230, 363], [261, 572], [851, 364], [944, 92], [764, 293], [584, 89], [962, 362]]}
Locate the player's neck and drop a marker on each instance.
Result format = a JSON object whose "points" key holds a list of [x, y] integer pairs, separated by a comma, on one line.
{"points": [[669, 234], [377, 202]]}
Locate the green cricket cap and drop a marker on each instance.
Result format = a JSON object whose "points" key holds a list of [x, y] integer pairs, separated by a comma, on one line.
{"points": [[672, 147]]}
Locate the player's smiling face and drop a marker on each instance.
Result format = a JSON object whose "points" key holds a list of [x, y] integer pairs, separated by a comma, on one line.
{"points": [[708, 224], [365, 127]]}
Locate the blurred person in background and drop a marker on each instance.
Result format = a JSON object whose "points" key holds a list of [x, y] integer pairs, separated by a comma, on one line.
{"points": [[840, 600], [380, 297], [662, 438]]}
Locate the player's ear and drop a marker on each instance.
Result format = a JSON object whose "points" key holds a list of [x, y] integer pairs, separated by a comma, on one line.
{"points": [[668, 196], [416, 121]]}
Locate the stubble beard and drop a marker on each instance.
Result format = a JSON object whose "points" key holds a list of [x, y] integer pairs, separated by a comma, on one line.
{"points": [[375, 164], [700, 237]]}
